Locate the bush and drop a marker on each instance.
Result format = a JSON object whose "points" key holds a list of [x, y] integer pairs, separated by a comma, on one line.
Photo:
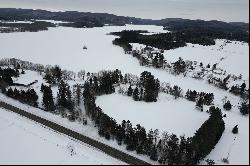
{"points": [[244, 108], [227, 106]]}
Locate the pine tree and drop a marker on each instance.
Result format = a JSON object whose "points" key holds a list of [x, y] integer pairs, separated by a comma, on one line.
{"points": [[176, 92], [32, 97], [10, 92], [154, 154], [150, 85], [48, 100], [57, 73], [227, 106], [61, 96], [161, 60], [64, 96], [244, 108], [179, 66], [243, 86], [130, 91], [78, 95], [42, 88], [200, 103], [136, 94], [49, 78], [155, 62]]}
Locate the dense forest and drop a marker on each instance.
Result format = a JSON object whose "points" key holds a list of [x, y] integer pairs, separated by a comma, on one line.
{"points": [[23, 27], [192, 28], [176, 39]]}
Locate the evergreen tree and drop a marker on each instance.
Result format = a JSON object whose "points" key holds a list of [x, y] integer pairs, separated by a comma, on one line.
{"points": [[244, 108], [10, 92], [227, 106], [155, 62], [176, 92], [179, 66], [78, 95], [243, 86], [49, 78], [130, 91], [48, 100], [57, 73], [161, 60], [42, 88], [64, 96], [136, 94], [191, 95], [150, 86], [153, 153], [199, 104], [207, 136]]}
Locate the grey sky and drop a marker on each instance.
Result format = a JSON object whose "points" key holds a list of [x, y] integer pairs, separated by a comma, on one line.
{"points": [[225, 10]]}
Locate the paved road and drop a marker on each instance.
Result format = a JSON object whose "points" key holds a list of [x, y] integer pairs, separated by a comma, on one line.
{"points": [[105, 148]]}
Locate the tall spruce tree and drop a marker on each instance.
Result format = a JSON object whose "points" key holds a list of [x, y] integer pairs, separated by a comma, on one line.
{"points": [[64, 96], [150, 85], [136, 94], [130, 91], [244, 108], [48, 100]]}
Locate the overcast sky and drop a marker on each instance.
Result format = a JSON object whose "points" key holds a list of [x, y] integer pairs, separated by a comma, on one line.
{"points": [[225, 10]]}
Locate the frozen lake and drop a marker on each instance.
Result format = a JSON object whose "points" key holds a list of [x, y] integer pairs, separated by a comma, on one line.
{"points": [[64, 47]]}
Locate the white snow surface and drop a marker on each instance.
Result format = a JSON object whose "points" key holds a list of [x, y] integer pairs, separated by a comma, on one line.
{"points": [[88, 130], [63, 46], [161, 115], [26, 142]]}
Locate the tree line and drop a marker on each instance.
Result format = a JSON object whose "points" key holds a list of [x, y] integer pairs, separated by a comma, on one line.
{"points": [[29, 96], [168, 150], [6, 75]]}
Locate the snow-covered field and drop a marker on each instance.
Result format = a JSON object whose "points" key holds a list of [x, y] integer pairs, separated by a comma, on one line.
{"points": [[63, 46], [25, 142], [232, 57], [161, 115]]}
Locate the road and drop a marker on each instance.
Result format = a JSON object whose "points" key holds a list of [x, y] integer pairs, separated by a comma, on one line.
{"points": [[58, 128]]}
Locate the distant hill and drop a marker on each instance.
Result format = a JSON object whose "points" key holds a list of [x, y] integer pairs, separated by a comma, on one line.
{"points": [[87, 19]]}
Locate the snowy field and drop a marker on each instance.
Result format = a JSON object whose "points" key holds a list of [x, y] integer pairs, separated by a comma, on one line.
{"points": [[63, 46], [232, 57], [24, 142], [161, 115]]}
